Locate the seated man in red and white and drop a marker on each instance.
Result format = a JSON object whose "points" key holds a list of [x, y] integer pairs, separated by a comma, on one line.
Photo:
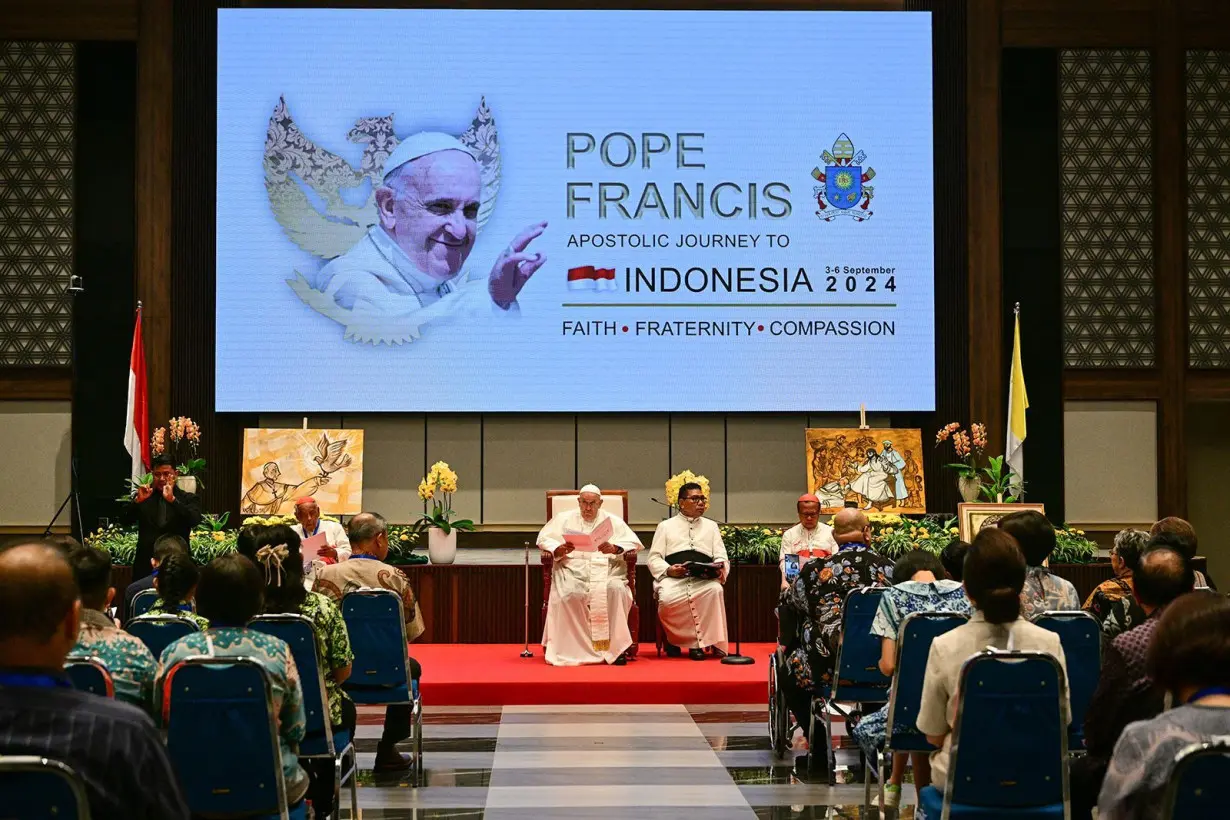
{"points": [[587, 613], [307, 513]]}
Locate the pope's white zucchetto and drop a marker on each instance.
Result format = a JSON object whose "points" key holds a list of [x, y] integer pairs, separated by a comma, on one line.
{"points": [[420, 145], [591, 488]]}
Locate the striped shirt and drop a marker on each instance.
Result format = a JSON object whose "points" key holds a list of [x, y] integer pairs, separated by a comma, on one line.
{"points": [[113, 747]]}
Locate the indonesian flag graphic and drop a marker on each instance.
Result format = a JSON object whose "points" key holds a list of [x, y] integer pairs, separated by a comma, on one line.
{"points": [[136, 423], [591, 278]]}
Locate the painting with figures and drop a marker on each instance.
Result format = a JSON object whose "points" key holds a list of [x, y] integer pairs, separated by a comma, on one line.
{"points": [[875, 469]]}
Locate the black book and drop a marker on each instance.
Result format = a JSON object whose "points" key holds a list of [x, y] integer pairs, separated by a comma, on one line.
{"points": [[697, 563]]}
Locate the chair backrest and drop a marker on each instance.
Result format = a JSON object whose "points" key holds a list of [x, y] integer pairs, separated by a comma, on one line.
{"points": [[158, 632], [613, 501], [377, 630], [37, 788], [858, 677], [299, 633], [1022, 762], [1194, 788], [222, 737], [914, 639], [90, 674], [142, 601], [1081, 638]]}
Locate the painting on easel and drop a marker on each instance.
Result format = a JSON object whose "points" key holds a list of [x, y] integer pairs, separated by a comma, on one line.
{"points": [[876, 469]]}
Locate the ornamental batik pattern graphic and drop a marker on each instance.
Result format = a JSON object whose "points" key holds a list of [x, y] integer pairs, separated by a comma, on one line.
{"points": [[1208, 208]]}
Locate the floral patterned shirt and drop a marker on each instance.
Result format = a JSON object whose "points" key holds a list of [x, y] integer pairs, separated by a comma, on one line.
{"points": [[160, 607], [333, 643], [1124, 614], [1046, 592], [275, 657], [127, 659], [1099, 602], [909, 597], [816, 600]]}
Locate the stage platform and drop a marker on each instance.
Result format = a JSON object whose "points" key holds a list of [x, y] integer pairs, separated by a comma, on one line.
{"points": [[497, 675]]}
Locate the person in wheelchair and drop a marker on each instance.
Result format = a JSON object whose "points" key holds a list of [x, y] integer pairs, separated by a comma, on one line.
{"points": [[921, 587], [810, 614]]}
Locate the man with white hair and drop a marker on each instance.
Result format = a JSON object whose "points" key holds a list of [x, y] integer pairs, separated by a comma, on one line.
{"points": [[587, 613], [408, 270], [307, 513]]}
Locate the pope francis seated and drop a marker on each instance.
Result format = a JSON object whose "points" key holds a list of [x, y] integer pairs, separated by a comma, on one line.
{"points": [[587, 613]]}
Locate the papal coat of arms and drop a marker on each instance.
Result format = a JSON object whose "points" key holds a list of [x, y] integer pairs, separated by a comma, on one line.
{"points": [[843, 189]]}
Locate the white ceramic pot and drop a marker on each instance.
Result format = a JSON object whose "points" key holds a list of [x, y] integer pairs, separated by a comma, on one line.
{"points": [[441, 547], [970, 488], [187, 483]]}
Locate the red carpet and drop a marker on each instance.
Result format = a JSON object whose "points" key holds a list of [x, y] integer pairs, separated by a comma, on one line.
{"points": [[496, 675]]}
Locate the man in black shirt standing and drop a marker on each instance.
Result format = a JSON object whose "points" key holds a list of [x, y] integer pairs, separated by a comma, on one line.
{"points": [[113, 747], [162, 509]]}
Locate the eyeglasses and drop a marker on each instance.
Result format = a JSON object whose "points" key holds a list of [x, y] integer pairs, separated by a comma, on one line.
{"points": [[696, 499]]}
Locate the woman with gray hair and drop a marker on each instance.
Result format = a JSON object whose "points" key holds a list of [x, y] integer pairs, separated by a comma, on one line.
{"points": [[1124, 556]]}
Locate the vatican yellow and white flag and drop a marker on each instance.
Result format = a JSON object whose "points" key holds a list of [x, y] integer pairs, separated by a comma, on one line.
{"points": [[1018, 403]]}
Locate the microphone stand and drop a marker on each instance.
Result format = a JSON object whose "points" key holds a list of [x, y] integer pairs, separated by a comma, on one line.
{"points": [[738, 658], [526, 653]]}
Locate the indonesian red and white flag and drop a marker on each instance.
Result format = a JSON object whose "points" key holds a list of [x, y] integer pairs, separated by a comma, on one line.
{"points": [[136, 425], [591, 278]]}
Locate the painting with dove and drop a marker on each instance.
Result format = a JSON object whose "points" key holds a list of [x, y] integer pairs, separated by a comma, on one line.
{"points": [[281, 465]]}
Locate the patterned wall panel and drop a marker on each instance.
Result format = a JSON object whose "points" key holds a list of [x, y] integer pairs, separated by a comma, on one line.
{"points": [[37, 102], [1208, 208], [1106, 195]]}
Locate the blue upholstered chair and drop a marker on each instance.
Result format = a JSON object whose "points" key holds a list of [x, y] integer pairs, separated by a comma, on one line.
{"points": [[1009, 743], [222, 738], [380, 674], [901, 733], [142, 601], [89, 674], [1081, 639], [36, 788], [319, 741], [1194, 791], [158, 632]]}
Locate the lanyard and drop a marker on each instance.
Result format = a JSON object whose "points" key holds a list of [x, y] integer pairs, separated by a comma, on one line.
{"points": [[1208, 692], [35, 680], [364, 555], [313, 533]]}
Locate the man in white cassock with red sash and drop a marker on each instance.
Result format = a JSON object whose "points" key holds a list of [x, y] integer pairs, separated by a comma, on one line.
{"points": [[689, 565], [587, 613]]}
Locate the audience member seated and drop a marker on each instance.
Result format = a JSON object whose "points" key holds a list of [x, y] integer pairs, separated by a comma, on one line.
{"points": [[65, 543], [995, 572], [1125, 691], [176, 583], [1127, 613], [231, 593], [812, 608], [953, 559], [163, 547], [127, 659], [1189, 659], [113, 746], [1043, 590], [921, 587], [369, 540], [1124, 556], [1190, 545], [277, 551]]}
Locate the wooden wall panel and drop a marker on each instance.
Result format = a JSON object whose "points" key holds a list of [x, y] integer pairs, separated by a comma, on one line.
{"points": [[698, 443], [69, 19], [523, 455], [393, 454], [765, 458], [627, 452], [458, 440], [1076, 23]]}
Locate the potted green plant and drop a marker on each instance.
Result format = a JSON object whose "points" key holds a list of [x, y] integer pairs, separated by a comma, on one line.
{"points": [[180, 440], [968, 447], [436, 490]]}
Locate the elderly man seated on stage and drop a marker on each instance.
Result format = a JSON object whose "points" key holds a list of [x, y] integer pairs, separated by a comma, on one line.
{"points": [[806, 540], [689, 565], [307, 513], [587, 614]]}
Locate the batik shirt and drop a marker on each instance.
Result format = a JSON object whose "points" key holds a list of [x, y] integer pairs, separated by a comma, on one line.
{"points": [[275, 658], [1100, 601], [127, 659], [360, 571], [1144, 758], [1046, 592], [333, 641], [909, 597], [1124, 614], [161, 607], [816, 600]]}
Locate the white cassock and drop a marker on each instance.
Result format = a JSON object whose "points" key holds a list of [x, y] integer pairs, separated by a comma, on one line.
{"points": [[797, 539], [587, 613], [335, 536], [692, 610]]}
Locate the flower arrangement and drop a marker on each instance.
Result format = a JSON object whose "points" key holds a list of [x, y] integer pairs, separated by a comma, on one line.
{"points": [[1073, 547], [437, 489], [969, 446], [180, 440], [274, 520], [403, 538], [678, 480]]}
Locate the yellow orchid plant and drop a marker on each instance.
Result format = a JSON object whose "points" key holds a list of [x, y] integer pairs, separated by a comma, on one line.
{"points": [[436, 489]]}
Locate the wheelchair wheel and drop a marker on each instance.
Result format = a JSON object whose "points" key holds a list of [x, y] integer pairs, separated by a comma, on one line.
{"points": [[779, 713]]}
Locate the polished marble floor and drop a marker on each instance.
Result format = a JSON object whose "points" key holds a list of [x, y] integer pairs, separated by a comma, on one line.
{"points": [[648, 761]]}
